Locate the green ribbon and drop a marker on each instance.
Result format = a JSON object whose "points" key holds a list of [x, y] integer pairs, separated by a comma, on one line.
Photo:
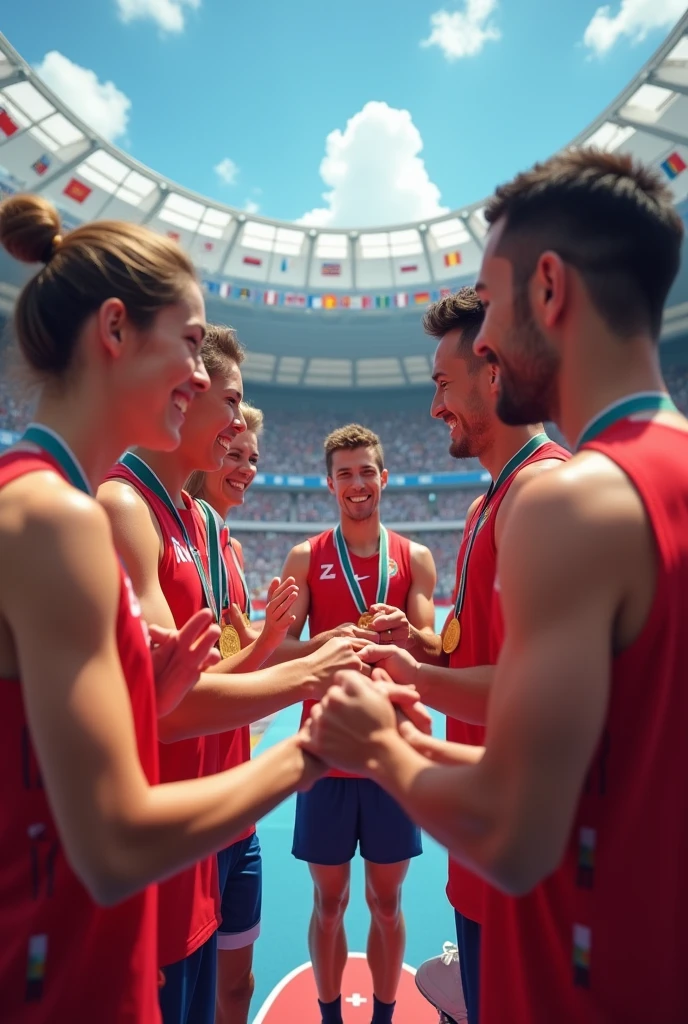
{"points": [[213, 588], [52, 443], [350, 575], [514, 463], [643, 401]]}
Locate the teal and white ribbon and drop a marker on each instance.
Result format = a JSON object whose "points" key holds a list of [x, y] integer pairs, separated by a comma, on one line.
{"points": [[643, 401], [350, 575], [52, 443]]}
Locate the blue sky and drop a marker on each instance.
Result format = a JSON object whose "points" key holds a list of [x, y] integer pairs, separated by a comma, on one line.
{"points": [[434, 103]]}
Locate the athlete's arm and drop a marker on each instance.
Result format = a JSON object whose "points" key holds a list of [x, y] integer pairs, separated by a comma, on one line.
{"points": [[119, 833], [566, 569], [138, 543]]}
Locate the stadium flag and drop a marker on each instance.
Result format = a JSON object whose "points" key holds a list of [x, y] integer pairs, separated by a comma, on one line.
{"points": [[270, 298], [356, 302], [331, 269], [284, 265], [383, 301], [401, 300], [409, 268], [293, 299], [345, 301], [41, 165], [174, 235], [7, 125], [452, 259], [329, 302], [212, 287], [444, 292], [225, 290], [76, 190], [673, 165], [421, 298], [315, 301], [252, 261], [367, 302], [243, 293], [208, 246]]}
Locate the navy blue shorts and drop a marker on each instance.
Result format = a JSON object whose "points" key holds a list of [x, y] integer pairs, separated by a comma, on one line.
{"points": [[240, 870], [188, 995], [337, 814], [468, 942]]}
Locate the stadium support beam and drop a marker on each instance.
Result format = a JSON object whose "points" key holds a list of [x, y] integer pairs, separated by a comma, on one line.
{"points": [[657, 78], [17, 76], [309, 258], [465, 217], [678, 138], [234, 238], [158, 204], [65, 168], [428, 260], [352, 257]]}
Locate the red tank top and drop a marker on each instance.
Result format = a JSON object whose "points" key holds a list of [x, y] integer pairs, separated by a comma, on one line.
{"points": [[331, 603], [62, 957], [478, 647], [234, 747], [189, 901], [604, 939]]}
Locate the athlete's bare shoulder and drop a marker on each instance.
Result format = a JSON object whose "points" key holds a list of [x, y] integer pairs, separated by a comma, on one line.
{"points": [[128, 511], [472, 508], [420, 556], [298, 561], [521, 480]]}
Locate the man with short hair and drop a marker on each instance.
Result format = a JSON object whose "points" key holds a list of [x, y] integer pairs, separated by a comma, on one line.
{"points": [[579, 804], [466, 391], [340, 574]]}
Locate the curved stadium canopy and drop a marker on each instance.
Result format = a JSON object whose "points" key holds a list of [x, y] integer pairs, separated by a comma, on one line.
{"points": [[318, 307]]}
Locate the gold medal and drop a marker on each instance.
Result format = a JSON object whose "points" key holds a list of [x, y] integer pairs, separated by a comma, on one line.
{"points": [[365, 620], [230, 643], [247, 618], [451, 637]]}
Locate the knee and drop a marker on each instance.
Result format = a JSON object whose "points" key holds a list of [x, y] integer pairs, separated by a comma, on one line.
{"points": [[330, 905], [236, 986], [385, 907]]}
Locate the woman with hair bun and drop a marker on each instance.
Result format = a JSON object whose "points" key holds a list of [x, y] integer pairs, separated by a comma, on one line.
{"points": [[112, 327]]}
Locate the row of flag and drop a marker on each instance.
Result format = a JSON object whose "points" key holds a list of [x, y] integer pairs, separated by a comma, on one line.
{"points": [[299, 300], [451, 259]]}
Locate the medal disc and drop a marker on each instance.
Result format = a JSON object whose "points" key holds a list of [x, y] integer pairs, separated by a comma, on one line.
{"points": [[452, 635], [230, 643], [365, 620]]}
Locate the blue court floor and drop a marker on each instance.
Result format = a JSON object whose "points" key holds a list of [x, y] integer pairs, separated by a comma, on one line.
{"points": [[287, 890]]}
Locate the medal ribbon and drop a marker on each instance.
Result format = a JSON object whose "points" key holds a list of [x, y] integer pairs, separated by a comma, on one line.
{"points": [[350, 575], [219, 578], [52, 443], [209, 511], [643, 401], [514, 463], [242, 577], [213, 597]]}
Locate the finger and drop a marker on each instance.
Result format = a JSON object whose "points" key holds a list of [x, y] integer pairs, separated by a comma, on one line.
{"points": [[195, 627], [382, 622], [380, 606], [198, 652], [158, 635], [374, 653], [279, 604], [381, 675], [418, 715], [274, 584], [213, 658], [432, 748], [364, 634]]}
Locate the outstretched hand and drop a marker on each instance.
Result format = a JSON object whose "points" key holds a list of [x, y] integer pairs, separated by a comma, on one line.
{"points": [[180, 655]]}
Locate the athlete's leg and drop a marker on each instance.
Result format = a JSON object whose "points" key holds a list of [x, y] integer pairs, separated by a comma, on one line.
{"points": [[387, 937], [326, 937], [239, 929], [468, 941]]}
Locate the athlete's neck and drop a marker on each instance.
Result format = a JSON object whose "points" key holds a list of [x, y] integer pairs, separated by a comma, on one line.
{"points": [[362, 536], [614, 372], [87, 430], [506, 442], [172, 470]]}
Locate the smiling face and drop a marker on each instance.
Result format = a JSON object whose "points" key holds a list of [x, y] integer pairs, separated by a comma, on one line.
{"points": [[214, 420], [357, 482], [528, 364], [226, 487], [462, 398]]}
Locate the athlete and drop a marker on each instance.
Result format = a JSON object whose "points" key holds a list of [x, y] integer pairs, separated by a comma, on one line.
{"points": [[340, 574], [173, 555], [240, 870], [111, 327], [466, 391], [579, 805]]}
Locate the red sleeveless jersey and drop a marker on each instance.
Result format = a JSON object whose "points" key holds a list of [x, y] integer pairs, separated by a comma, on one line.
{"points": [[234, 747], [465, 891], [604, 939], [331, 603], [62, 957], [189, 901]]}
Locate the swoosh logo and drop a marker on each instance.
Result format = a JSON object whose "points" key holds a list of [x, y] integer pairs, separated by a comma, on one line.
{"points": [[361, 578]]}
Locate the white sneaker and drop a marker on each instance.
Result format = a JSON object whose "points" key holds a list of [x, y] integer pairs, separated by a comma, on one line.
{"points": [[439, 981]]}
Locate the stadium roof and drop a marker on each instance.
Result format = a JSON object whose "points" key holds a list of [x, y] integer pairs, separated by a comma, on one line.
{"points": [[320, 307]]}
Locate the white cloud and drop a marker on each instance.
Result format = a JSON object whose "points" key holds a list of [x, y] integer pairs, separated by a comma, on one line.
{"points": [[227, 171], [634, 19], [251, 206], [168, 14], [103, 106], [375, 173], [463, 33]]}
